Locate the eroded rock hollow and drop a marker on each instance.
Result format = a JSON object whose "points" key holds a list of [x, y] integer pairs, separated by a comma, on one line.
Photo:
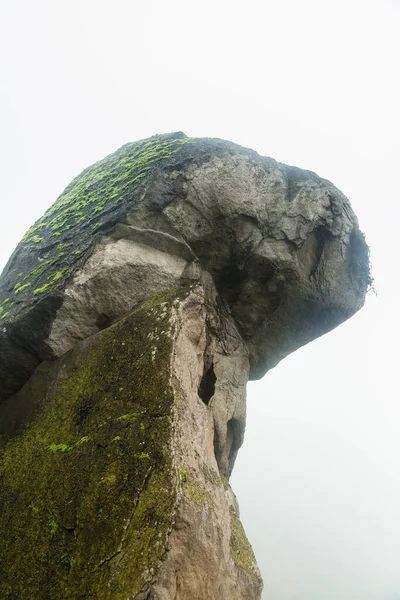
{"points": [[132, 315]]}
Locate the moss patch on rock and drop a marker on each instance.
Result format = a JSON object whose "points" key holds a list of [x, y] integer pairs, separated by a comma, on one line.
{"points": [[96, 198], [241, 551], [88, 487], [196, 492]]}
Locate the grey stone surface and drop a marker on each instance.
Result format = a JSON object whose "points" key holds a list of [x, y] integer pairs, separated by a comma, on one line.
{"points": [[281, 245], [273, 258]]}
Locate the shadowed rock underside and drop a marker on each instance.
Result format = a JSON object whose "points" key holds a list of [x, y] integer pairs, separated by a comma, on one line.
{"points": [[132, 315]]}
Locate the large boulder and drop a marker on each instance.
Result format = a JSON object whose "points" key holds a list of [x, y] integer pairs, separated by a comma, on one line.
{"points": [[132, 315], [281, 245]]}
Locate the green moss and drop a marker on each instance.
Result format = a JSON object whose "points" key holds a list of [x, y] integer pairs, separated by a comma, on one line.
{"points": [[52, 279], [196, 492], [42, 289], [129, 418], [223, 481], [38, 269], [86, 492], [183, 474], [83, 440], [66, 447], [241, 551], [53, 526], [100, 195], [21, 288], [58, 448], [104, 183], [59, 275]]}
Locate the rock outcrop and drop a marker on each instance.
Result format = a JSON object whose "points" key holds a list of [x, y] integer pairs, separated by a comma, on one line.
{"points": [[132, 315]]}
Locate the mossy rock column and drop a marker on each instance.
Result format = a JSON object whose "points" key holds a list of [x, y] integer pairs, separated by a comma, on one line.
{"points": [[88, 486], [109, 486]]}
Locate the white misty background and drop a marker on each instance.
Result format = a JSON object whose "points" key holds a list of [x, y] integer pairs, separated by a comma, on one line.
{"points": [[314, 84]]}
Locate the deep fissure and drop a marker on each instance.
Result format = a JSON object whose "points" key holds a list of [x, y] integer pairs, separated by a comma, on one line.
{"points": [[207, 385]]}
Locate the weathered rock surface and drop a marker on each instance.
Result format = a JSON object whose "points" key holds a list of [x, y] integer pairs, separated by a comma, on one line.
{"points": [[110, 486], [162, 278], [282, 245]]}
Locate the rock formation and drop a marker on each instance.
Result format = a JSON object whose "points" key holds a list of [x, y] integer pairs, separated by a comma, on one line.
{"points": [[132, 315]]}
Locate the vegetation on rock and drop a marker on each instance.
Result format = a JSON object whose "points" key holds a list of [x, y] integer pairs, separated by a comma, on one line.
{"points": [[54, 244], [88, 487]]}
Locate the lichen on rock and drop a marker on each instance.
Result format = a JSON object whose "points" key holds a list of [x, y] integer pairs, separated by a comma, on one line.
{"points": [[87, 483], [132, 315], [67, 230]]}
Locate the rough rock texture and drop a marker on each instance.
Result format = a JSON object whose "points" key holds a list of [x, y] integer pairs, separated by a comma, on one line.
{"points": [[110, 484], [282, 245], [161, 279]]}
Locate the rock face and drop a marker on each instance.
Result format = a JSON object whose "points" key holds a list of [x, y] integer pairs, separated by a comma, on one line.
{"points": [[132, 315]]}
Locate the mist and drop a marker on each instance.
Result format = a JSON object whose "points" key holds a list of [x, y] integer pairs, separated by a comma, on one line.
{"points": [[314, 84]]}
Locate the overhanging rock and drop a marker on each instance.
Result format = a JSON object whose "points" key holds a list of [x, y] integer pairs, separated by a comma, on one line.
{"points": [[161, 279]]}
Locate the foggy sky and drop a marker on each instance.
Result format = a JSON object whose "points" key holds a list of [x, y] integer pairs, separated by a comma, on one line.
{"points": [[309, 83]]}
